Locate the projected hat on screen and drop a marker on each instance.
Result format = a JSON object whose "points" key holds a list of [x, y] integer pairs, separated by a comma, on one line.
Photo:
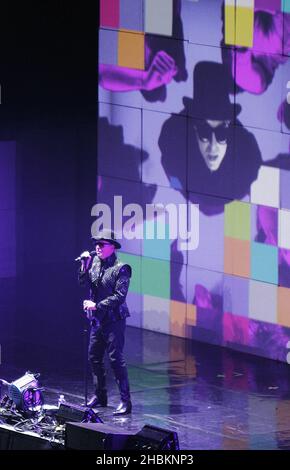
{"points": [[211, 93]]}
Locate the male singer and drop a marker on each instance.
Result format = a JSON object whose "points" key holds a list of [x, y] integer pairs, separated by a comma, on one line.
{"points": [[107, 310]]}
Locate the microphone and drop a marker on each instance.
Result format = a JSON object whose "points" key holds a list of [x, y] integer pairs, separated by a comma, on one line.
{"points": [[92, 253]]}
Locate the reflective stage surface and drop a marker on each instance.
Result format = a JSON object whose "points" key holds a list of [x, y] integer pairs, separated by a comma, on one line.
{"points": [[212, 397]]}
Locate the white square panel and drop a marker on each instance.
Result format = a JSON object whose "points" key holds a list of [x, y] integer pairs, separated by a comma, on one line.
{"points": [[156, 314], [263, 301], [284, 229], [265, 190], [158, 17]]}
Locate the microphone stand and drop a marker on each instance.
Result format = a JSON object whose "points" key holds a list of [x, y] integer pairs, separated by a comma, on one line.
{"points": [[86, 330], [86, 342]]}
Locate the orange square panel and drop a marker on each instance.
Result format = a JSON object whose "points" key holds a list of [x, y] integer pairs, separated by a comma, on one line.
{"points": [[177, 318], [237, 257], [131, 50], [284, 306]]}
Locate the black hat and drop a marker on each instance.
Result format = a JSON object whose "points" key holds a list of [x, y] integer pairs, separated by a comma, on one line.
{"points": [[211, 93], [107, 235]]}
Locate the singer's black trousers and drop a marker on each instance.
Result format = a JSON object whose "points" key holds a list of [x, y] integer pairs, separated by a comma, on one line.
{"points": [[110, 339]]}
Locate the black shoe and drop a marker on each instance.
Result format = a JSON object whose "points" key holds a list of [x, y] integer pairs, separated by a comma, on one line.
{"points": [[95, 402], [124, 408]]}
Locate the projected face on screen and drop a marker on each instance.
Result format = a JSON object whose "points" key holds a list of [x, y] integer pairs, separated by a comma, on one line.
{"points": [[212, 137], [219, 158]]}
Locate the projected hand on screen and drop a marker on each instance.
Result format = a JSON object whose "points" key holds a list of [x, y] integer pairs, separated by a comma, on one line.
{"points": [[161, 71], [267, 225], [253, 68], [164, 61], [254, 71]]}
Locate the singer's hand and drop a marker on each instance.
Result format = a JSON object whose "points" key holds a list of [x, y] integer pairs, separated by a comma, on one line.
{"points": [[89, 305], [85, 260]]}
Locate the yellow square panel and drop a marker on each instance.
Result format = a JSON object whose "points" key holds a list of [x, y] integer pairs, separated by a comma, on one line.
{"points": [[239, 22], [244, 26], [230, 22]]}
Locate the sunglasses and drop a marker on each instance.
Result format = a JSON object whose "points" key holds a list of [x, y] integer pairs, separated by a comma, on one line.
{"points": [[205, 131], [102, 244]]}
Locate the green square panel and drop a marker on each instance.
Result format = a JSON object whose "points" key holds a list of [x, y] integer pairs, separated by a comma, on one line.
{"points": [[238, 220], [155, 277], [156, 247], [286, 6], [135, 262]]}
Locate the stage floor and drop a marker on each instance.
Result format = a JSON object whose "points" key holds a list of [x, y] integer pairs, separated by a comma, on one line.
{"points": [[212, 397]]}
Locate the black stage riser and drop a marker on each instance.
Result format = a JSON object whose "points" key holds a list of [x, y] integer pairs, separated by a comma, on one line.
{"points": [[92, 436], [14, 440]]}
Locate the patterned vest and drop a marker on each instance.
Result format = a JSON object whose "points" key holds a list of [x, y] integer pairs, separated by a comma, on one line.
{"points": [[109, 282]]}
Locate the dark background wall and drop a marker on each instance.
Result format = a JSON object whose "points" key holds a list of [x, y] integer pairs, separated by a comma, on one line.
{"points": [[48, 78]]}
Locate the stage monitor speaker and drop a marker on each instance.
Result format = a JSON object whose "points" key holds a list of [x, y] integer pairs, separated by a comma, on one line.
{"points": [[69, 412], [16, 440], [4, 439], [152, 438], [95, 436], [22, 441]]}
